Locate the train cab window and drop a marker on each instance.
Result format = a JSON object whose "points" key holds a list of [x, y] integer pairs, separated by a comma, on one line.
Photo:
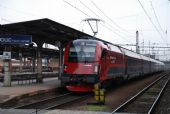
{"points": [[82, 52]]}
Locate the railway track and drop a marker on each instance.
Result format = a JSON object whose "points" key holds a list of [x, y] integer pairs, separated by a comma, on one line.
{"points": [[54, 102], [28, 99], [146, 100]]}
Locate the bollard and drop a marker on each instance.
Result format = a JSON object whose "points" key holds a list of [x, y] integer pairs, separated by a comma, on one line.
{"points": [[96, 92], [102, 96], [99, 94]]}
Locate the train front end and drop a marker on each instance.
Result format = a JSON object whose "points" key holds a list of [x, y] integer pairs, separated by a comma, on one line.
{"points": [[81, 65]]}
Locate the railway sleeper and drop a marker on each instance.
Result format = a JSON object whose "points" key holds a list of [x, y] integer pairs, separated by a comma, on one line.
{"points": [[151, 99], [143, 103], [153, 92], [149, 96], [137, 108]]}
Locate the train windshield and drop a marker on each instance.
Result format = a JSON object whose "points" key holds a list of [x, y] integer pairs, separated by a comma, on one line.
{"points": [[82, 52]]}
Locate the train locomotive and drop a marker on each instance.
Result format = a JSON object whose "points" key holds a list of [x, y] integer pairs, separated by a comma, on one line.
{"points": [[89, 61]]}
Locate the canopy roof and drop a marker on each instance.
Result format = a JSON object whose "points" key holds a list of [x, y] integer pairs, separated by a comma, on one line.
{"points": [[43, 31]]}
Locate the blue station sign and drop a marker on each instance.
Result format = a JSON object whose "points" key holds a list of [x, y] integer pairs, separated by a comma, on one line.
{"points": [[15, 39]]}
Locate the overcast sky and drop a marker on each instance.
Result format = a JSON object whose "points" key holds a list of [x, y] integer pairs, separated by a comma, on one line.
{"points": [[120, 18]]}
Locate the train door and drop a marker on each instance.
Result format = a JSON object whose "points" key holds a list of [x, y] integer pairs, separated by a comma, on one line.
{"points": [[103, 63], [150, 70], [142, 67], [124, 62]]}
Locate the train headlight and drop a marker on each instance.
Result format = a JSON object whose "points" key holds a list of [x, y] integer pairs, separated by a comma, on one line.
{"points": [[65, 67], [96, 68]]}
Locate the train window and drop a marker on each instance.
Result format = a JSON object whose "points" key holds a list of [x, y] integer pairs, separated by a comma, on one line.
{"points": [[82, 43], [75, 49], [103, 54], [82, 53]]}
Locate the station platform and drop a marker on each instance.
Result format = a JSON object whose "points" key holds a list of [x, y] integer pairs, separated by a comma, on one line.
{"points": [[18, 91], [26, 111], [74, 112]]}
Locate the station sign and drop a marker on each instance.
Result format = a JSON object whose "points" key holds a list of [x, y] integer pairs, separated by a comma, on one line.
{"points": [[6, 55], [15, 39]]}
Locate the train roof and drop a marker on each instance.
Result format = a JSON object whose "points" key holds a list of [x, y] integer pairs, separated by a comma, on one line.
{"points": [[145, 58], [118, 48], [131, 53], [114, 48], [105, 45], [157, 61]]}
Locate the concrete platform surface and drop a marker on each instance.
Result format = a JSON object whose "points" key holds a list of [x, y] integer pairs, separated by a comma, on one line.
{"points": [[30, 111], [17, 91], [7, 93], [19, 111], [74, 112]]}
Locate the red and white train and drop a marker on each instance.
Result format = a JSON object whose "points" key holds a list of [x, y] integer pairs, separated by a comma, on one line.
{"points": [[89, 61], [15, 65]]}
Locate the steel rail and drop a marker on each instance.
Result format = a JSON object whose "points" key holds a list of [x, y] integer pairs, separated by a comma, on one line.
{"points": [[40, 101], [139, 93], [158, 98], [66, 102], [61, 104]]}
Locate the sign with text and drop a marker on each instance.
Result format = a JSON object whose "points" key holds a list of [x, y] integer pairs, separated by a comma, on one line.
{"points": [[15, 39], [6, 55]]}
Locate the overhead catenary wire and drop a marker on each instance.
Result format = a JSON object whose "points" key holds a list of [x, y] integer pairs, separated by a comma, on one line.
{"points": [[110, 18], [151, 20], [76, 8], [115, 33], [89, 9], [90, 17], [27, 13], [156, 50], [102, 19], [156, 17], [164, 55], [152, 48], [164, 47]]}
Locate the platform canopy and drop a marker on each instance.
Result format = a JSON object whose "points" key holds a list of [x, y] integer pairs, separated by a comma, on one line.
{"points": [[43, 31]]}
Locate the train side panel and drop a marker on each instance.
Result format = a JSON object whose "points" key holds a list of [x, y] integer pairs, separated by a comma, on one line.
{"points": [[134, 67], [112, 64]]}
